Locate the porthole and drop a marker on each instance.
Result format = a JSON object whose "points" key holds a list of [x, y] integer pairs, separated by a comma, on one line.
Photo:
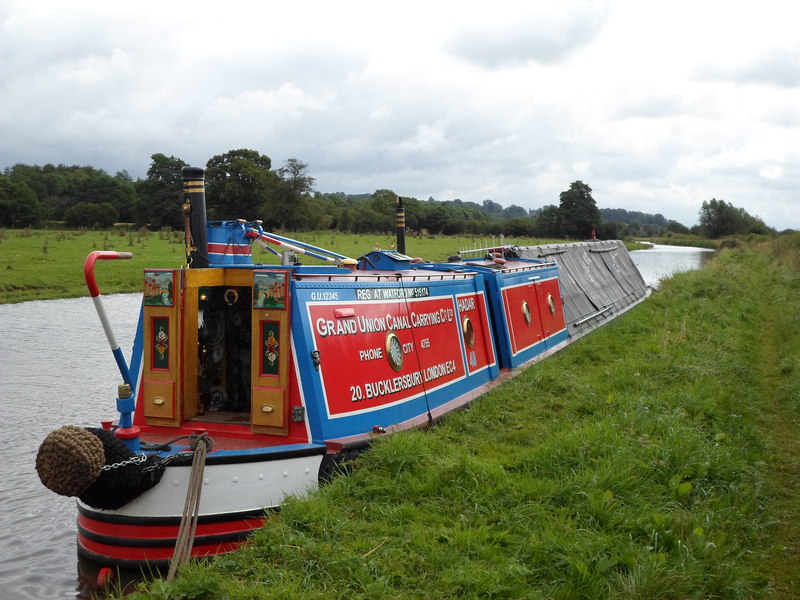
{"points": [[552, 304], [526, 312], [468, 332], [394, 351]]}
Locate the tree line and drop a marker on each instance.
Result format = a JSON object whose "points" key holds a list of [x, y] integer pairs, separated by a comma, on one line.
{"points": [[244, 184]]}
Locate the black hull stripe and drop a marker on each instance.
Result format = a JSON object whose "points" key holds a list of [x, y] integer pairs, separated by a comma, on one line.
{"points": [[116, 519], [145, 566], [184, 459]]}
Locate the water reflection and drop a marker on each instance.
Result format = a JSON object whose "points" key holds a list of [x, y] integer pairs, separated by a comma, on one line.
{"points": [[660, 261]]}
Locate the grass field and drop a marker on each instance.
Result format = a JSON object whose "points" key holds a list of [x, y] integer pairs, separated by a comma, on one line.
{"points": [[657, 458], [47, 264]]}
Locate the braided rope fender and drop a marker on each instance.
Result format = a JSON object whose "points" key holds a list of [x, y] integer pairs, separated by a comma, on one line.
{"points": [[69, 460], [75, 461]]}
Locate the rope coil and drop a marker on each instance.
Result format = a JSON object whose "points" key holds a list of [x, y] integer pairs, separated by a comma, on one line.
{"points": [[201, 444]]}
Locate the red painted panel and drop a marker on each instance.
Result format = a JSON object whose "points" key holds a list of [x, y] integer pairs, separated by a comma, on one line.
{"points": [[229, 248], [356, 368], [551, 309], [481, 354], [524, 332]]}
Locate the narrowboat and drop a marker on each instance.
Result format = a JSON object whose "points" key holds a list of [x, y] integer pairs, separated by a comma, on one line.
{"points": [[250, 382]]}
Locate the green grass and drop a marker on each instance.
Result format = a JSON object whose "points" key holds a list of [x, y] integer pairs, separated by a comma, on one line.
{"points": [[690, 240], [47, 264], [655, 458]]}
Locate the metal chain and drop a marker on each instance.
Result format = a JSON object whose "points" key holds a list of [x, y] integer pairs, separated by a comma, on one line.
{"points": [[133, 460], [140, 458], [163, 462]]}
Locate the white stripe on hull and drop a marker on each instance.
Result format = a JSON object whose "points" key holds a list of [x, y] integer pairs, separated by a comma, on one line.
{"points": [[227, 488]]}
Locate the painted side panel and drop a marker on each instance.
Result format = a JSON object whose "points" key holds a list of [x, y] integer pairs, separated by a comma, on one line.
{"points": [[269, 357], [161, 357], [551, 312], [387, 352], [360, 371], [523, 317], [528, 316], [481, 353]]}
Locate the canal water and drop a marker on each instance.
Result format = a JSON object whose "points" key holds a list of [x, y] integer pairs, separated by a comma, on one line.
{"points": [[56, 369], [659, 261]]}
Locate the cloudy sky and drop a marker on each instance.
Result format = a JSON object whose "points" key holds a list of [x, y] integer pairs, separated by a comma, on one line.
{"points": [[658, 106]]}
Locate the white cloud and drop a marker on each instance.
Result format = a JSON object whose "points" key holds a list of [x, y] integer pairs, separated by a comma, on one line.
{"points": [[542, 33], [657, 106], [778, 67]]}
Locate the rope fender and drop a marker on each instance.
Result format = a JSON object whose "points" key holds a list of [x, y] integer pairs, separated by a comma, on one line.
{"points": [[92, 464], [95, 466]]}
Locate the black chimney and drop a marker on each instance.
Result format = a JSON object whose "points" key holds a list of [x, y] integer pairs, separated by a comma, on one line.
{"points": [[400, 222], [194, 205]]}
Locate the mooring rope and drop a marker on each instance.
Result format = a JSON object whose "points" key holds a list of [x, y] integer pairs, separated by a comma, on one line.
{"points": [[191, 509]]}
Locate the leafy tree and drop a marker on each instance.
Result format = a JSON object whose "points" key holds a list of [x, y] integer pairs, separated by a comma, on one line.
{"points": [[295, 174], [639, 223], [514, 212], [492, 208], [158, 202], [345, 221], [676, 227], [291, 205], [578, 211], [519, 226], [612, 230], [95, 186], [435, 219], [719, 218], [547, 223], [19, 206], [240, 185], [49, 183], [384, 206], [124, 176], [411, 207], [89, 214]]}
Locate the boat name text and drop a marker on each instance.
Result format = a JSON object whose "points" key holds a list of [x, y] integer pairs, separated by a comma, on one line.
{"points": [[364, 324], [465, 304]]}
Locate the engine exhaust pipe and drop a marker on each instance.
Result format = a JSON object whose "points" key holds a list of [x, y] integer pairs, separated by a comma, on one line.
{"points": [[194, 208], [400, 223]]}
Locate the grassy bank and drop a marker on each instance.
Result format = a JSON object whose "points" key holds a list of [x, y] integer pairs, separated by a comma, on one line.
{"points": [[696, 241], [655, 458], [48, 264], [45, 264]]}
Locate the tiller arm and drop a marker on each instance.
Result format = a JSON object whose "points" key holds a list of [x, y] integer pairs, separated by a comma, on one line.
{"points": [[91, 283]]}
